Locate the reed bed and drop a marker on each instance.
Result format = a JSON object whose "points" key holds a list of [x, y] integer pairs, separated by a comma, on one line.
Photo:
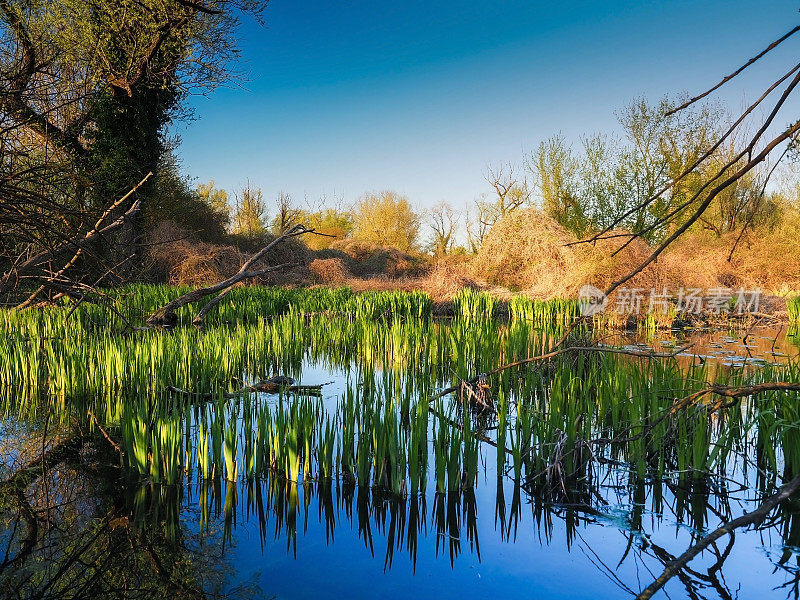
{"points": [[382, 433], [555, 426], [544, 312], [793, 306]]}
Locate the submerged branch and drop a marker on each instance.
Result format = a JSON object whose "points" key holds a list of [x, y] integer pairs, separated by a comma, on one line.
{"points": [[273, 385], [557, 352]]}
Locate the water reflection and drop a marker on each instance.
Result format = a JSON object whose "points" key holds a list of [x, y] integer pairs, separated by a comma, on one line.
{"points": [[201, 537], [283, 513]]}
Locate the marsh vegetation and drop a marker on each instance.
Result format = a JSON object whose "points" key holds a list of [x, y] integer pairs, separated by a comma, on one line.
{"points": [[164, 450]]}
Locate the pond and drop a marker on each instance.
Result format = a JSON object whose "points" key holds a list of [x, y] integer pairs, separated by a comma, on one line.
{"points": [[165, 471]]}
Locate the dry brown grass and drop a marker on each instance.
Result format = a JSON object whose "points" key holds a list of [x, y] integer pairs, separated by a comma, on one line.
{"points": [[598, 265], [205, 263], [447, 277], [371, 259], [329, 270], [529, 251], [173, 257], [699, 260], [764, 259], [526, 251]]}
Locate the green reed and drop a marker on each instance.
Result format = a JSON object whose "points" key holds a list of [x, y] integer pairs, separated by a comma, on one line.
{"points": [[379, 432], [555, 312], [471, 305], [793, 306]]}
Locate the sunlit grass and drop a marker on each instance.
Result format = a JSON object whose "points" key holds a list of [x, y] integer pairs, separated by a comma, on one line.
{"points": [[380, 431]]}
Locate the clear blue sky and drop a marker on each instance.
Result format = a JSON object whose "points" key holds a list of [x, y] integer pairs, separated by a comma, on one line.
{"points": [[349, 96]]}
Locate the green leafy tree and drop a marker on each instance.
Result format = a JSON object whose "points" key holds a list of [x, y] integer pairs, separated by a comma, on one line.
{"points": [[216, 199], [204, 217], [334, 223], [557, 175]]}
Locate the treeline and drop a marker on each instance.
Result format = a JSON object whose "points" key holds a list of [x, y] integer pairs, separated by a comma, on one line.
{"points": [[88, 91], [643, 180], [601, 184], [245, 218]]}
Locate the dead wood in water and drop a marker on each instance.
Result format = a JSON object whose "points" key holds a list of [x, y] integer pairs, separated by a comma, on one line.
{"points": [[468, 386], [273, 385]]}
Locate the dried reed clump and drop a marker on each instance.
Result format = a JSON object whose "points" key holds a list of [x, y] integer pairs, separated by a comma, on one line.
{"points": [[329, 270], [770, 260], [527, 250], [371, 259], [206, 263], [598, 265], [700, 260], [173, 257], [764, 259], [447, 277]]}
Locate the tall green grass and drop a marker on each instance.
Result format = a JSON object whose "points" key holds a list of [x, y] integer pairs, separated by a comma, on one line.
{"points": [[379, 431], [793, 306]]}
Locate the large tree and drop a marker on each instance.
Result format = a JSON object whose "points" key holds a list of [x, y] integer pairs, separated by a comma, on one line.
{"points": [[87, 88], [387, 219]]}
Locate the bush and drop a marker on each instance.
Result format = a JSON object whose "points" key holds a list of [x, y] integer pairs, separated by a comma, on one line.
{"points": [[371, 259], [329, 270]]}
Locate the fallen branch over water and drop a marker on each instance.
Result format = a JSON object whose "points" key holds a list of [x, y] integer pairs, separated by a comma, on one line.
{"points": [[556, 352], [752, 518], [166, 314]]}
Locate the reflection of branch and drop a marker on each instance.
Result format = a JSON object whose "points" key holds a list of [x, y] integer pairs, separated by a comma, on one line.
{"points": [[25, 475], [557, 352], [754, 517], [735, 393]]}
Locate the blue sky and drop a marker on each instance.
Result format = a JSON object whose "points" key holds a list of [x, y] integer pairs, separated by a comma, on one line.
{"points": [[418, 97]]}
